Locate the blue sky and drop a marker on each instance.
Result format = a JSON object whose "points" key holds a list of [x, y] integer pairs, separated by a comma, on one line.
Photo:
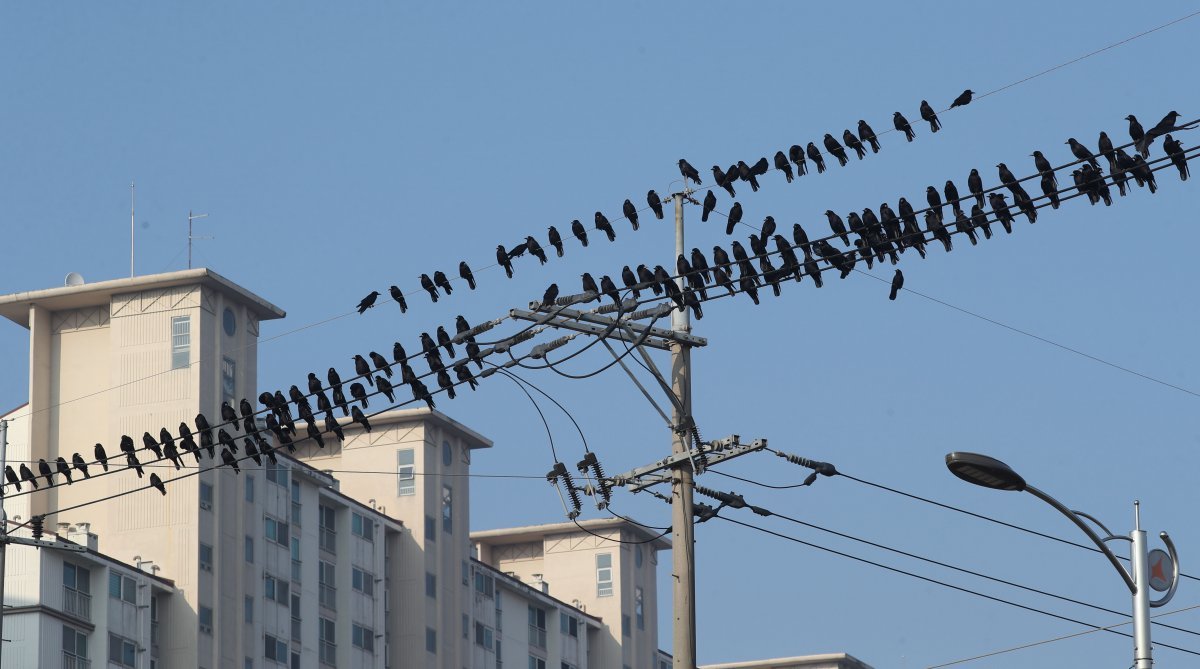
{"points": [[340, 149]]}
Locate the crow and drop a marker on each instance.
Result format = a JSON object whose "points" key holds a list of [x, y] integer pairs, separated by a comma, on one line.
{"points": [[359, 393], [1137, 134], [440, 280], [1081, 152], [384, 387], [360, 418], [361, 368], [102, 457], [735, 217], [690, 299], [963, 99], [710, 203], [225, 440], [504, 259], [463, 374], [719, 177], [836, 150], [380, 362], [464, 271], [902, 125], [1043, 167], [935, 202], [645, 276], [816, 157], [398, 296], [550, 295], [980, 220], [748, 286], [610, 289], [555, 240], [579, 231], [152, 445], [722, 279], [1174, 149], [812, 270], [28, 477], [655, 203], [230, 461], [768, 227], [1143, 173], [864, 250], [791, 263], [460, 325], [781, 164], [444, 382], [445, 341], [331, 425], [131, 462], [335, 381], [172, 454], [906, 212], [700, 264], [721, 258], [757, 244], [801, 238], [1000, 209], [891, 225], [951, 192], [929, 115], [1167, 124], [428, 346], [962, 225], [367, 302], [688, 172], [472, 354], [897, 284], [853, 142], [933, 223], [843, 262], [420, 392], [157, 483], [746, 173], [589, 286], [339, 398], [796, 155], [866, 134], [206, 442], [64, 469], [11, 475], [1050, 190], [427, 284], [1025, 204], [630, 212], [1010, 180], [1106, 149], [675, 294]]}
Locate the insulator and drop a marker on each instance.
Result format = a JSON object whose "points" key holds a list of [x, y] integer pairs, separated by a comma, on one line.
{"points": [[503, 346], [568, 300], [37, 526], [538, 352], [614, 306], [572, 492], [822, 468], [590, 463], [486, 373], [701, 456], [655, 312], [478, 329]]}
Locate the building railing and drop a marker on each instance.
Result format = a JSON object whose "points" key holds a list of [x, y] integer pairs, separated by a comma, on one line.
{"points": [[328, 653], [328, 597], [76, 603], [328, 540], [72, 661], [537, 637]]}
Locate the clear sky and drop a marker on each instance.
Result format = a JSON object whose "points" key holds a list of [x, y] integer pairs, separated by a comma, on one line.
{"points": [[340, 148]]}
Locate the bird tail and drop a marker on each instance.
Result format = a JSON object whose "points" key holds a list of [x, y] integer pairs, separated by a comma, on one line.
{"points": [[894, 291]]}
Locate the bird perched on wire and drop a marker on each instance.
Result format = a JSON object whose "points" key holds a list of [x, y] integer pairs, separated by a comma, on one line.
{"points": [[503, 259], [1081, 152], [101, 456], [1174, 149], [361, 368], [1010, 180], [367, 302], [1143, 174], [535, 249], [64, 469], [901, 124], [719, 177], [152, 445], [735, 217], [710, 203], [420, 392], [589, 285], [814, 155], [935, 202], [464, 271], [688, 172], [747, 174], [463, 374], [1000, 209], [230, 461], [550, 295], [796, 155], [28, 477], [853, 142], [1043, 166], [835, 149], [1136, 133], [933, 223], [157, 483], [440, 280], [897, 284], [782, 164], [837, 226], [963, 99], [962, 225], [801, 238], [610, 289], [398, 296], [655, 203], [444, 382], [579, 231], [951, 192], [866, 134], [631, 213], [359, 417], [427, 284], [555, 240], [11, 476], [1050, 190], [929, 115], [384, 387]]}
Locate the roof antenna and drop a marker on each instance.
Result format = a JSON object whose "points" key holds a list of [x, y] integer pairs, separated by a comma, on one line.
{"points": [[132, 201], [193, 217]]}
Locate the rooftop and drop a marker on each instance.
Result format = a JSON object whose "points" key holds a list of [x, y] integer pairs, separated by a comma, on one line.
{"points": [[831, 660], [516, 535]]}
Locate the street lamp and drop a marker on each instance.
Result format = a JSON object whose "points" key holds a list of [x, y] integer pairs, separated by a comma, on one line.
{"points": [[987, 472]]}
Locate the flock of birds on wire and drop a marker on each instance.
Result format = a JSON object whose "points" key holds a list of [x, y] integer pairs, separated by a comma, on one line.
{"points": [[878, 236]]}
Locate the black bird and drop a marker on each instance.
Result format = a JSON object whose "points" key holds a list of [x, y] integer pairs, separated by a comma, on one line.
{"points": [[550, 295], [172, 454], [535, 249], [339, 398], [1085, 184], [380, 362], [359, 417], [133, 463], [963, 99], [610, 289], [1106, 149], [746, 173], [722, 279], [398, 352], [227, 414], [815, 155], [866, 134], [313, 433], [314, 384], [445, 341], [855, 223], [852, 141], [630, 280], [202, 427], [555, 240], [230, 461], [1174, 149], [655, 203], [735, 217], [28, 477], [796, 155], [589, 286], [11, 475], [225, 440], [710, 203], [1050, 190], [267, 399], [962, 225], [902, 125], [420, 392], [690, 299], [252, 450], [720, 258], [187, 442], [464, 375], [675, 294], [935, 202], [398, 296], [473, 354], [812, 270], [891, 225], [407, 374], [781, 164], [630, 212], [791, 263], [79, 464], [761, 167], [265, 448], [975, 185], [359, 393], [46, 472], [645, 276], [152, 445], [1081, 152], [440, 280], [836, 150], [897, 284], [929, 115], [1000, 209], [951, 192], [206, 442], [165, 438], [460, 325], [504, 259], [157, 483], [1010, 180], [285, 440], [688, 172], [749, 287], [385, 387], [733, 173], [1143, 173], [331, 425], [579, 231], [1025, 204], [700, 264], [934, 225], [64, 469], [367, 302], [335, 381], [801, 238], [1137, 135], [464, 271], [1043, 166], [980, 220], [864, 251], [361, 368], [719, 177], [1167, 124], [101, 456], [444, 382], [757, 244]]}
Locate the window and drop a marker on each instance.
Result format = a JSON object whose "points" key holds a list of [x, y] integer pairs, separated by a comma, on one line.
{"points": [[362, 637], [604, 575], [275, 649], [569, 624], [362, 527], [121, 651], [536, 662], [639, 611], [275, 589], [466, 625], [276, 473], [205, 616], [537, 627], [248, 548], [74, 646], [362, 581], [248, 609], [77, 588], [276, 530], [485, 584], [567, 665], [406, 479], [430, 640], [466, 574], [206, 496], [430, 585], [625, 631], [248, 663], [249, 488], [296, 618], [484, 635], [447, 510], [295, 502], [325, 632], [122, 588], [447, 454], [430, 529], [326, 520], [181, 342], [229, 322], [637, 557], [325, 578], [295, 559], [206, 557]]}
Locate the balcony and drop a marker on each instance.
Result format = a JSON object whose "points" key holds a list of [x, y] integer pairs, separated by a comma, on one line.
{"points": [[328, 540], [71, 661], [78, 604], [328, 597]]}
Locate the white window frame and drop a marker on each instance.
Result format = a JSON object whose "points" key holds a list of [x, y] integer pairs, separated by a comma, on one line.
{"points": [[406, 478], [181, 342], [604, 575]]}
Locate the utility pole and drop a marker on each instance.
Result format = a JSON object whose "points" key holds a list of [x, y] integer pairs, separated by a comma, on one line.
{"points": [[191, 218], [683, 647]]}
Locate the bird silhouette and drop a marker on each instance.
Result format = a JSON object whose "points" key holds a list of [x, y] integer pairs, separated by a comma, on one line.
{"points": [[252, 449], [535, 249], [610, 289], [735, 217], [934, 224], [589, 286], [230, 461], [463, 374], [962, 225], [688, 172], [1050, 190], [28, 477], [980, 220], [152, 445], [975, 185], [464, 271], [631, 213], [157, 483], [866, 134], [655, 203], [929, 115], [46, 472], [901, 124], [719, 177], [359, 393], [963, 99], [440, 280], [331, 425], [225, 440], [550, 295], [935, 202], [461, 325], [172, 454], [380, 362], [837, 226], [11, 476], [1082, 153], [646, 277], [746, 173], [361, 368], [398, 296], [781, 164], [504, 257], [132, 462], [313, 433], [1000, 209], [555, 240], [801, 238], [897, 284], [101, 456], [951, 193], [796, 155], [384, 386], [445, 341], [814, 154], [420, 392], [747, 286], [1174, 149], [367, 302], [700, 264], [630, 281], [227, 414], [853, 142], [64, 469], [579, 231], [836, 150], [359, 417], [444, 382], [710, 203]]}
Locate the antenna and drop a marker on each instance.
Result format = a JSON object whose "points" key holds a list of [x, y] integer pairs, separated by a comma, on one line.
{"points": [[132, 201], [192, 217]]}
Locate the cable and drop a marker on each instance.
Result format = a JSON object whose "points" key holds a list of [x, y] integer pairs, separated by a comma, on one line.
{"points": [[621, 541], [757, 483], [941, 583]]}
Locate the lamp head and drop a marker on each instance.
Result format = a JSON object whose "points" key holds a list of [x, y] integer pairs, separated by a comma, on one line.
{"points": [[984, 471]]}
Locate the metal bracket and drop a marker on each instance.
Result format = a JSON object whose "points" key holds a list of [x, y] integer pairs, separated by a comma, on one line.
{"points": [[718, 451], [39, 543]]}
